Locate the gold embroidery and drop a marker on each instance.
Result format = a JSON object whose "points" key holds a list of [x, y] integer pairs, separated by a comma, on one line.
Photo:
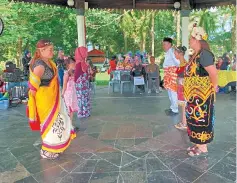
{"points": [[198, 86], [203, 137]]}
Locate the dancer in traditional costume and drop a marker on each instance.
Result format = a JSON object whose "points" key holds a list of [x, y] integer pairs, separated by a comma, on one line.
{"points": [[69, 89], [179, 54], [200, 85], [170, 76], [46, 111], [82, 80]]}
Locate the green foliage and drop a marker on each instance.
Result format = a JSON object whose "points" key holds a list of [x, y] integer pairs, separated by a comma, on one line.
{"points": [[220, 26], [31, 22], [118, 30]]}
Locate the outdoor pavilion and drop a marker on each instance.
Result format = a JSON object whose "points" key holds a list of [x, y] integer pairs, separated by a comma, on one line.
{"points": [[126, 142], [185, 6]]}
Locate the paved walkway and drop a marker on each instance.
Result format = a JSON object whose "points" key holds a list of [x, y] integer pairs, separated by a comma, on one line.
{"points": [[128, 139]]}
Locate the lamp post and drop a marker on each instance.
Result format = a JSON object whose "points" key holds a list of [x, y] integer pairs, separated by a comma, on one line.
{"points": [[70, 3], [185, 11]]}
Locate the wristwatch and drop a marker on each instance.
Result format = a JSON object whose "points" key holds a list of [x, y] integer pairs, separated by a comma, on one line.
{"points": [[1, 26]]}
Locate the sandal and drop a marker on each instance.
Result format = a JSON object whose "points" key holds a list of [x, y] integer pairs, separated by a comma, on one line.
{"points": [[48, 155], [192, 148], [181, 126], [197, 152]]}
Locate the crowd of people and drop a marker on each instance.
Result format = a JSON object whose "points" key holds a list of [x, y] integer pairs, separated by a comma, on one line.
{"points": [[138, 67], [191, 84], [225, 63]]}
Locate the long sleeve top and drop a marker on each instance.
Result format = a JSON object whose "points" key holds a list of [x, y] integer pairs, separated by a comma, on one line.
{"points": [[170, 60]]}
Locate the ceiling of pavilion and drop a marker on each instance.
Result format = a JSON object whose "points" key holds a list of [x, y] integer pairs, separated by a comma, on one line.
{"points": [[140, 4]]}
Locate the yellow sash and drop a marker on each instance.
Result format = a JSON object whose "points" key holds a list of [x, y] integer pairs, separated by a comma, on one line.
{"points": [[45, 104]]}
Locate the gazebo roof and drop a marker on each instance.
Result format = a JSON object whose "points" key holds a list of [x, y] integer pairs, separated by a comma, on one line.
{"points": [[96, 52], [140, 4]]}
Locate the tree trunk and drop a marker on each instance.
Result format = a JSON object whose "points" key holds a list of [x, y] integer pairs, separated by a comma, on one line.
{"points": [[178, 27], [125, 42], [19, 52], [233, 35], [153, 34], [143, 41]]}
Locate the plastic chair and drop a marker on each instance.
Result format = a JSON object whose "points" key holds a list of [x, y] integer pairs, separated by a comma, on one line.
{"points": [[115, 80], [153, 78], [134, 86], [125, 78]]}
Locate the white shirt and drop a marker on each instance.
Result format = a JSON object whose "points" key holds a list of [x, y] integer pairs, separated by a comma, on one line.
{"points": [[170, 59]]}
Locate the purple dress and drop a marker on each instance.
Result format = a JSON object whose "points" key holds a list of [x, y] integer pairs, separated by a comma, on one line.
{"points": [[82, 84]]}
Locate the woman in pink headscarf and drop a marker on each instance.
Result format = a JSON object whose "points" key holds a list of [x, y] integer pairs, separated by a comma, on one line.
{"points": [[82, 73]]}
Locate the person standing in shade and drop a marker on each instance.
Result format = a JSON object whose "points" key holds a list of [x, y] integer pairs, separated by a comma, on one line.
{"points": [[170, 76], [61, 66], [200, 85], [26, 62], [82, 82], [112, 66]]}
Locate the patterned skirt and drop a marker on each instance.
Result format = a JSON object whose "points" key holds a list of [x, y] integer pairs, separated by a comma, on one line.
{"points": [[200, 119], [83, 96], [180, 92], [170, 78]]}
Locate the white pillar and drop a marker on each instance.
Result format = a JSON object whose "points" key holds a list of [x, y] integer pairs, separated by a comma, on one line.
{"points": [[81, 6], [185, 31], [81, 30]]}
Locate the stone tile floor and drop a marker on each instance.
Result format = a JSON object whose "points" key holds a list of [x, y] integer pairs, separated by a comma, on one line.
{"points": [[128, 139]]}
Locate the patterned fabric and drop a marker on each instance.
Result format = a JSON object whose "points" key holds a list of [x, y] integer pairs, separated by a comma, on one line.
{"points": [[51, 115], [70, 96], [48, 73], [83, 95], [170, 78], [200, 95], [180, 92]]}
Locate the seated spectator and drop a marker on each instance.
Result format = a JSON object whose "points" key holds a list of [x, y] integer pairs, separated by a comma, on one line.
{"points": [[126, 64], [153, 73], [226, 62], [138, 70], [219, 63]]}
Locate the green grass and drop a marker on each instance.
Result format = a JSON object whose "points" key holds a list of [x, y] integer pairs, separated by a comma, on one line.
{"points": [[102, 79]]}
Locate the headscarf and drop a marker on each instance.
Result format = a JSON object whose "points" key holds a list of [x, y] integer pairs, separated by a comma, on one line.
{"points": [[80, 57]]}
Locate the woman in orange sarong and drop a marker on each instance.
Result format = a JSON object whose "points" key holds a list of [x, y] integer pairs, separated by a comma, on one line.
{"points": [[46, 109]]}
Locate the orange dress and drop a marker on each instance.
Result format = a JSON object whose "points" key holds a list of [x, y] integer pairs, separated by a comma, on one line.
{"points": [[112, 66]]}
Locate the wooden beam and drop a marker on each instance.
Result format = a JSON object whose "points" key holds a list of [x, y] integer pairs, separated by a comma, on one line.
{"points": [[154, 6], [80, 4], [212, 4], [185, 5]]}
